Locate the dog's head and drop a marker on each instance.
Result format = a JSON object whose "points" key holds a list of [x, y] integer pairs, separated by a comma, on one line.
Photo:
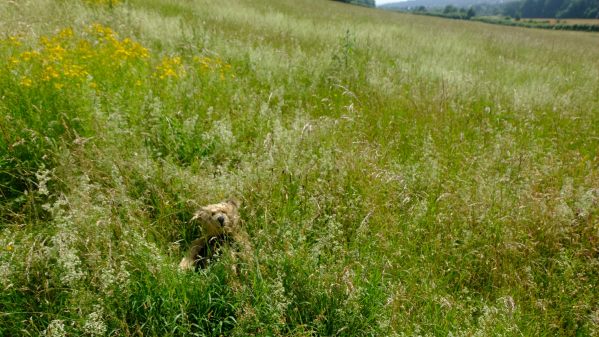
{"points": [[218, 219]]}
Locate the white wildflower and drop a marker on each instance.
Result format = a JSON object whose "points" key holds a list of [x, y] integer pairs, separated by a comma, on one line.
{"points": [[594, 321], [55, 329], [43, 176], [5, 273], [95, 326], [586, 201], [67, 257], [122, 277], [222, 131], [107, 279], [564, 212], [279, 299], [567, 188], [509, 303]]}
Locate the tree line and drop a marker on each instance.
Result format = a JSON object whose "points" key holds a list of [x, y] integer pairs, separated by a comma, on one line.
{"points": [[553, 9], [559, 9]]}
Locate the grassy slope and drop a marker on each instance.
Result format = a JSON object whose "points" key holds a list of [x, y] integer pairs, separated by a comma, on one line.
{"points": [[399, 174]]}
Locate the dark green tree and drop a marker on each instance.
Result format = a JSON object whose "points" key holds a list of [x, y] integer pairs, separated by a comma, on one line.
{"points": [[532, 9], [470, 13], [551, 7], [450, 9], [512, 9]]}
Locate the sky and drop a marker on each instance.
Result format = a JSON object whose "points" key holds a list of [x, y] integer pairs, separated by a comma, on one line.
{"points": [[382, 2]]}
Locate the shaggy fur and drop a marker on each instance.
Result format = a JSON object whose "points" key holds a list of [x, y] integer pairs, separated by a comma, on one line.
{"points": [[220, 226]]}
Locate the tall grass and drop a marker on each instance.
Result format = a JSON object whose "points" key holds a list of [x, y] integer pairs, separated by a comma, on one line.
{"points": [[400, 175]]}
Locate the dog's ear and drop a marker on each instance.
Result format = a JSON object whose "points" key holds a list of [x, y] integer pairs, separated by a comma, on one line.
{"points": [[198, 214], [234, 202]]}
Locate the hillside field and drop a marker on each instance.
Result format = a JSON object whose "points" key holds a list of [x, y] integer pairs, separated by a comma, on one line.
{"points": [[399, 175]]}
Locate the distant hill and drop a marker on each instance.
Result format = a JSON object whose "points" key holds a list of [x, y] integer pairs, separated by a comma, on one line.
{"points": [[588, 9], [367, 3], [437, 3]]}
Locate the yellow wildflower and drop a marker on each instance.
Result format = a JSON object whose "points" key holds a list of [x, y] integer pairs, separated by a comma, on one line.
{"points": [[103, 31], [26, 81], [170, 67], [52, 48], [13, 61], [66, 33], [74, 71], [84, 49], [130, 49], [28, 55], [50, 73], [67, 58], [214, 65], [14, 40]]}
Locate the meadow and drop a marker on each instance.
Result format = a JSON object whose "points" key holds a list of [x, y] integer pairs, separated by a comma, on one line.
{"points": [[584, 25], [399, 175]]}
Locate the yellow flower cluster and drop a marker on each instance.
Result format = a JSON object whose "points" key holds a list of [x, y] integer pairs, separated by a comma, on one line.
{"points": [[174, 68], [66, 58], [125, 49], [170, 68], [13, 40], [111, 49], [97, 58], [213, 65]]}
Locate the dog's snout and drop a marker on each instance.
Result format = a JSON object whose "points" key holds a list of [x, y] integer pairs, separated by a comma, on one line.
{"points": [[221, 220]]}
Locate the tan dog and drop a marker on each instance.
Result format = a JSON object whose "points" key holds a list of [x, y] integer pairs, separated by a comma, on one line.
{"points": [[220, 226]]}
